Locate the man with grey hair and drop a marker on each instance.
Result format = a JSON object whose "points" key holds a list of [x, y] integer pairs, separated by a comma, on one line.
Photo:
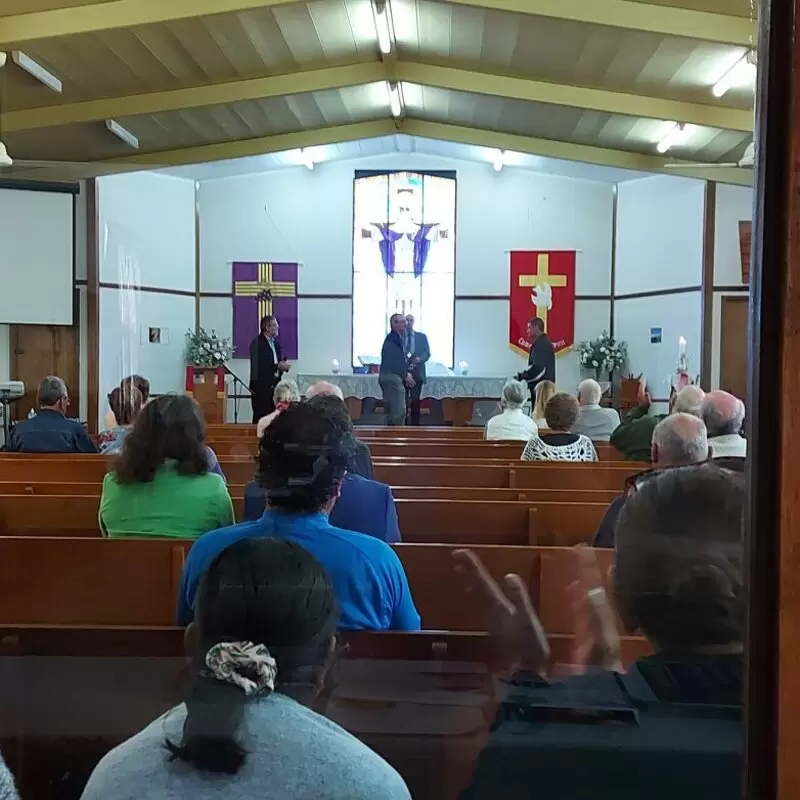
{"points": [[362, 460], [724, 414], [50, 431], [594, 421], [634, 436], [679, 440], [512, 424]]}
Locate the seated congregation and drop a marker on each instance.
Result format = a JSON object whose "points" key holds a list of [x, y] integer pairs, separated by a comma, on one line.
{"points": [[270, 603]]}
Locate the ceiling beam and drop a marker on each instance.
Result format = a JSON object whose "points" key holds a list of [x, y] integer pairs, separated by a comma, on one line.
{"points": [[632, 105], [66, 20], [276, 143], [315, 80], [459, 134], [339, 77], [69, 20], [568, 151], [634, 16]]}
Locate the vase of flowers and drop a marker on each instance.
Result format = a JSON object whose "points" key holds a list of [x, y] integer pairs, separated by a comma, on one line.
{"points": [[603, 354], [204, 349]]}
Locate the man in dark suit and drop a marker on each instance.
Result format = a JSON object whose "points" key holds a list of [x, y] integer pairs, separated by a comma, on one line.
{"points": [[266, 367], [541, 359], [419, 352], [50, 431]]}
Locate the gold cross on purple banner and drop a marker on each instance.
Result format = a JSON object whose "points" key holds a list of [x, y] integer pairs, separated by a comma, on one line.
{"points": [[264, 288]]}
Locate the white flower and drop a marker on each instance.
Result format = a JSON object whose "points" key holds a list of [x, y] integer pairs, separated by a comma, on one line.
{"points": [[217, 355], [595, 364]]}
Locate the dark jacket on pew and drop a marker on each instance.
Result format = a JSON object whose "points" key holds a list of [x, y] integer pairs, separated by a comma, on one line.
{"points": [[50, 432], [669, 729], [362, 461], [364, 506]]}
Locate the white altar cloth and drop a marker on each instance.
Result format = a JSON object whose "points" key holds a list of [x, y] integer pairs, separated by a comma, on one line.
{"points": [[436, 386]]}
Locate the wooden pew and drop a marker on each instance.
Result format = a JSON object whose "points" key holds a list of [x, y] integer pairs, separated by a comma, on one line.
{"points": [[395, 471], [459, 522], [68, 695], [399, 492], [66, 581], [467, 522], [415, 448]]}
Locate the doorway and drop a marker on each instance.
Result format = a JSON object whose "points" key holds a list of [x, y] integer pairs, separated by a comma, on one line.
{"points": [[733, 346], [41, 350]]}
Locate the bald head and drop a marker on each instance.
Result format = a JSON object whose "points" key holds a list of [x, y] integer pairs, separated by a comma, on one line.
{"points": [[679, 440], [689, 400], [723, 413], [324, 388]]}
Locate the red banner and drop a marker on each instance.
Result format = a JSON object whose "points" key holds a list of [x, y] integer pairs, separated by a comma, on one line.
{"points": [[542, 285]]}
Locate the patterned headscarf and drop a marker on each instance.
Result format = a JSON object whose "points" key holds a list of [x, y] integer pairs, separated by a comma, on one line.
{"points": [[244, 664]]}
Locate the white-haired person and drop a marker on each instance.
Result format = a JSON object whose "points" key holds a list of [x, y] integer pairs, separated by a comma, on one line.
{"points": [[285, 392], [724, 414], [678, 441], [362, 460], [512, 423], [594, 421], [634, 436]]}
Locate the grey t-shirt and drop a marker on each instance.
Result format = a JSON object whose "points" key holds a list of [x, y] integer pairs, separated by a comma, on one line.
{"points": [[293, 754]]}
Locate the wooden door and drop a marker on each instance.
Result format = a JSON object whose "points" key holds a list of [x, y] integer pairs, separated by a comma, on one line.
{"points": [[733, 346], [41, 350]]}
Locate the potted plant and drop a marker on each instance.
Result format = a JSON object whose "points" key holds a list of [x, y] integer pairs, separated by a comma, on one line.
{"points": [[204, 349], [603, 354]]}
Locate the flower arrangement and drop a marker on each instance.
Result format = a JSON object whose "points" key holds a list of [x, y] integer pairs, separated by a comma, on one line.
{"points": [[603, 353], [204, 349]]}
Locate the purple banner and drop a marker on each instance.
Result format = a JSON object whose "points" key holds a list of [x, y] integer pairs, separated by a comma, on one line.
{"points": [[261, 288]]}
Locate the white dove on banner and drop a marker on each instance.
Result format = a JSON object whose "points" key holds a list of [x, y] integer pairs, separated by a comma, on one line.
{"points": [[542, 296]]}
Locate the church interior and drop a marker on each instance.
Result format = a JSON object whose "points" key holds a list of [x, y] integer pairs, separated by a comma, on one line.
{"points": [[178, 177]]}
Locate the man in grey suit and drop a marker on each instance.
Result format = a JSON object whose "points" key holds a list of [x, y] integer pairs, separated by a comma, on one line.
{"points": [[418, 352], [594, 421]]}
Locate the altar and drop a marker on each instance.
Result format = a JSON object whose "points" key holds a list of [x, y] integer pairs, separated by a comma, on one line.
{"points": [[458, 393]]}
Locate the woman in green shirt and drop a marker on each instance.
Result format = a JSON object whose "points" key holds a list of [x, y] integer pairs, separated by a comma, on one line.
{"points": [[162, 485]]}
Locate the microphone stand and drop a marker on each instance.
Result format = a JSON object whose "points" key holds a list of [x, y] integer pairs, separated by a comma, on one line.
{"points": [[236, 379]]}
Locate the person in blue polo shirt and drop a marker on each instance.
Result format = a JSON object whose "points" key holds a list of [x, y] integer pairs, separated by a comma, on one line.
{"points": [[303, 459]]}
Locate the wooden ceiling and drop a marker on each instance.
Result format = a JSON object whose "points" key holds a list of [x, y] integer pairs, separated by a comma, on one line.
{"points": [[200, 80]]}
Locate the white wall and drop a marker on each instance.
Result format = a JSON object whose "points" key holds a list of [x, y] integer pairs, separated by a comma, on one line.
{"points": [[660, 223], [147, 239], [298, 215]]}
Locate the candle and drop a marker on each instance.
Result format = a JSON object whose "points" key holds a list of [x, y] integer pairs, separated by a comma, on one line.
{"points": [[464, 367], [681, 346], [335, 366]]}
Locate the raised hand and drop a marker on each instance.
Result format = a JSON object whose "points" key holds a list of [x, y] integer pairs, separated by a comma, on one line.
{"points": [[597, 641], [512, 617]]}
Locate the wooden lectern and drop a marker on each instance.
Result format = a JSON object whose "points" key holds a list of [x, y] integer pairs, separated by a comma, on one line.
{"points": [[207, 386]]}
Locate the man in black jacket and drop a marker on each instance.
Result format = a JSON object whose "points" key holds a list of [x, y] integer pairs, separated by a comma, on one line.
{"points": [[395, 376], [266, 367], [541, 359]]}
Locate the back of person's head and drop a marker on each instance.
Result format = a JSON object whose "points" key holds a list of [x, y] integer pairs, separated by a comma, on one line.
{"points": [[305, 453], [141, 383], [323, 388], [589, 392], [286, 392], [678, 440], [689, 400], [679, 561], [561, 412], [125, 402], [170, 428], [265, 619], [53, 393], [515, 393], [723, 413], [544, 391]]}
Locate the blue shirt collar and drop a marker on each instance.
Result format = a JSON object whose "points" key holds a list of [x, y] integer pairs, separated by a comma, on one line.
{"points": [[287, 520]]}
